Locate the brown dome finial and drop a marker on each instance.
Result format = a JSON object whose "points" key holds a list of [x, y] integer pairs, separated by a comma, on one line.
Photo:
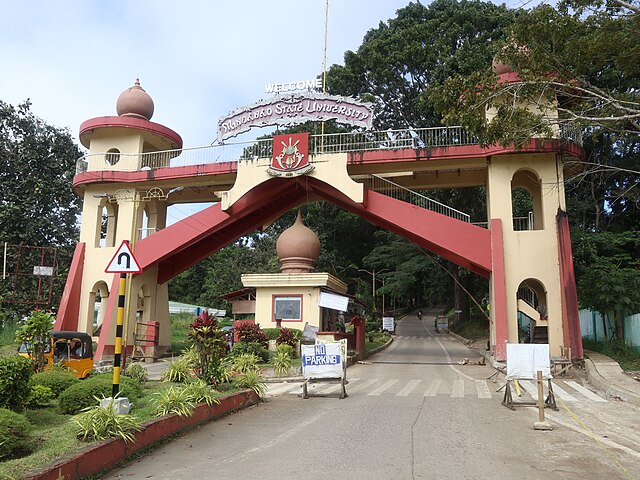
{"points": [[135, 102], [298, 248]]}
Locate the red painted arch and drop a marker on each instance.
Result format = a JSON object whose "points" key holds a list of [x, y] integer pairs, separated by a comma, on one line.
{"points": [[178, 247]]}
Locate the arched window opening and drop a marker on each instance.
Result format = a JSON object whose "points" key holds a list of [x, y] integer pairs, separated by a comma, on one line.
{"points": [[98, 298], [526, 201], [532, 312], [106, 224]]}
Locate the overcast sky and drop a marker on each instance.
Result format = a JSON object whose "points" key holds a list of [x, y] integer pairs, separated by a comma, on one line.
{"points": [[198, 59]]}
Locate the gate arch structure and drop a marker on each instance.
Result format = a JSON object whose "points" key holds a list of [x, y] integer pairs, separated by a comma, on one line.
{"points": [[126, 197]]}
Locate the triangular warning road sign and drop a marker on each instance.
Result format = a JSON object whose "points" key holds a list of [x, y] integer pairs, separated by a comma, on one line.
{"points": [[123, 261]]}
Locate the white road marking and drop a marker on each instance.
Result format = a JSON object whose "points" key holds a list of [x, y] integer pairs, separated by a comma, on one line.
{"points": [[457, 391], [363, 385], [563, 394], [584, 391], [383, 387], [282, 389], [336, 387], [530, 388], [483, 389], [409, 388], [434, 386]]}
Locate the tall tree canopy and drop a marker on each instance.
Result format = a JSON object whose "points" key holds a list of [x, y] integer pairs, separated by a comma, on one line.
{"points": [[422, 46], [584, 54], [37, 164], [37, 204]]}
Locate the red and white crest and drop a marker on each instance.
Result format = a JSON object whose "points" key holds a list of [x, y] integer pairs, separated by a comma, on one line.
{"points": [[290, 155]]}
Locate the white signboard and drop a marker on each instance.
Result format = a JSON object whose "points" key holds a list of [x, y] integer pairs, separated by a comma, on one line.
{"points": [[524, 360], [323, 360], [43, 271], [333, 301], [294, 109], [388, 323]]}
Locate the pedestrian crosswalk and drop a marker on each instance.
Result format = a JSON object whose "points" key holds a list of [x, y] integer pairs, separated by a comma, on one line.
{"points": [[566, 390], [425, 338]]}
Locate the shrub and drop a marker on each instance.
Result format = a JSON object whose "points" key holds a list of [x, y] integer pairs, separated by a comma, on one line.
{"points": [[40, 396], [137, 372], [251, 332], [251, 380], [281, 362], [271, 333], [83, 394], [246, 362], [58, 381], [15, 434], [252, 348], [15, 372], [209, 341], [179, 371], [287, 337], [98, 423], [286, 349], [173, 400], [200, 391]]}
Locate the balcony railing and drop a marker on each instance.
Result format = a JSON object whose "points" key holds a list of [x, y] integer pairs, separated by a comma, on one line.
{"points": [[318, 144]]}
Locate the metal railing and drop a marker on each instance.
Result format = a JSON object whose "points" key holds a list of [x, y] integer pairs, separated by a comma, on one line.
{"points": [[393, 190], [523, 223], [318, 144], [390, 140], [529, 296]]}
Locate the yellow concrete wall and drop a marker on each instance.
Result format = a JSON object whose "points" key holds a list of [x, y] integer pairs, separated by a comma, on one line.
{"points": [[310, 309], [534, 253], [330, 168]]}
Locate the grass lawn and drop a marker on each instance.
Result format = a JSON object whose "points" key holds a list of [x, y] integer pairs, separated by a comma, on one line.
{"points": [[55, 433], [379, 339], [475, 328]]}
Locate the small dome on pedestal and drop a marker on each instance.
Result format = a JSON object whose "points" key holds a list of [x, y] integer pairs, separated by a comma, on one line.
{"points": [[298, 248], [135, 102]]}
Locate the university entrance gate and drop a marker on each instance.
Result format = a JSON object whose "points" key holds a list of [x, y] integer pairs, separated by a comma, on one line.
{"points": [[136, 168]]}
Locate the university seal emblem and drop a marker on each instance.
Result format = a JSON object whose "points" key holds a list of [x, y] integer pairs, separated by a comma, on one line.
{"points": [[290, 155]]}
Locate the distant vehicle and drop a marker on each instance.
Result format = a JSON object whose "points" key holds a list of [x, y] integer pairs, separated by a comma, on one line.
{"points": [[73, 350]]}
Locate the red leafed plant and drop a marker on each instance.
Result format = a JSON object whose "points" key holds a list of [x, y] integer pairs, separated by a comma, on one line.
{"points": [[205, 319], [251, 332]]}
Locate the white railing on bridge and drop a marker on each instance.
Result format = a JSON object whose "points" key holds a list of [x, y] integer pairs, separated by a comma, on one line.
{"points": [[393, 190], [318, 144]]}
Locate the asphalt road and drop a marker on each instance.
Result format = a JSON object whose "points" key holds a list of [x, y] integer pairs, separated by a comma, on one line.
{"points": [[413, 412]]}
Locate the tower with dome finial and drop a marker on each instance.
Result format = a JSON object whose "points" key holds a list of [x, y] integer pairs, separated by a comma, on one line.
{"points": [[113, 212]]}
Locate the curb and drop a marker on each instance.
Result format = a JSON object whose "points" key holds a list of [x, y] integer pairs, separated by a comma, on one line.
{"points": [[499, 366], [598, 381], [106, 455]]}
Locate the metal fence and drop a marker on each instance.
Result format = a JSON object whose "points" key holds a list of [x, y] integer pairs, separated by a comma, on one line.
{"points": [[393, 190], [318, 144]]}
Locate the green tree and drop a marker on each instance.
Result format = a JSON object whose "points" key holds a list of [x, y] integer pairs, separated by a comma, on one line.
{"points": [[37, 204], [608, 271], [586, 59], [424, 45], [35, 333], [37, 165]]}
